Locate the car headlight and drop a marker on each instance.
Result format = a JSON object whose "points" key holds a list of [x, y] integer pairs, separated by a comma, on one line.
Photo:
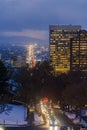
{"points": [[51, 122], [55, 122], [2, 128]]}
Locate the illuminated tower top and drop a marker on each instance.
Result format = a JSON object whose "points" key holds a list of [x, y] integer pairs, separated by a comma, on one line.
{"points": [[31, 56]]}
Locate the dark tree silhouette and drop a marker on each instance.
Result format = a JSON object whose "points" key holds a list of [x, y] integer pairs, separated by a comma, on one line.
{"points": [[3, 71], [4, 93], [3, 76]]}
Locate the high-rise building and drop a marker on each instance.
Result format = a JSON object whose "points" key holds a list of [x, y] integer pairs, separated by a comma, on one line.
{"points": [[30, 56], [59, 38], [78, 52]]}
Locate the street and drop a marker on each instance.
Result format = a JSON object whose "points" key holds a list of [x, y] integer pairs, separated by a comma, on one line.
{"points": [[64, 124], [41, 128], [63, 120]]}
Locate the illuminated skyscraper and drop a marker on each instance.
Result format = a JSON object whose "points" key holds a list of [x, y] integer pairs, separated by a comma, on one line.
{"points": [[59, 38], [31, 58], [78, 49]]}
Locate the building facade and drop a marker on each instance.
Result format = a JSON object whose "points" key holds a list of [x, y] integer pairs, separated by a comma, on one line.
{"points": [[59, 38], [78, 52]]}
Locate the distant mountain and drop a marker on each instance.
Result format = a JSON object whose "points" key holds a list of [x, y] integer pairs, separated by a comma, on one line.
{"points": [[20, 40]]}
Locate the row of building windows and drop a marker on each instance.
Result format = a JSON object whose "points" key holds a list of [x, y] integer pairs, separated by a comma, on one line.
{"points": [[68, 45]]}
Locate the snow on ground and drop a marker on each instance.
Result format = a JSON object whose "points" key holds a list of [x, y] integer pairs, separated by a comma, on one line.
{"points": [[13, 114], [38, 120], [75, 120], [70, 115]]}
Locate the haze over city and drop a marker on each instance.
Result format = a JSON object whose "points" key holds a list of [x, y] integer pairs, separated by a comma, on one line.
{"points": [[24, 21]]}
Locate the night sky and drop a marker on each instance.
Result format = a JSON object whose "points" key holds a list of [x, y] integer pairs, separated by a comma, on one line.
{"points": [[30, 19]]}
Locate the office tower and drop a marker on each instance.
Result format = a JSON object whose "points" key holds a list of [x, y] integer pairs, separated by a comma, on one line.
{"points": [[78, 52], [59, 38]]}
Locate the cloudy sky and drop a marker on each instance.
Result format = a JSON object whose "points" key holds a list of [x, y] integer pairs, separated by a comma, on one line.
{"points": [[30, 19]]}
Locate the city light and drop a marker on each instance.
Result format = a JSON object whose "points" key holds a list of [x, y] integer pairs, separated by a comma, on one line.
{"points": [[2, 128]]}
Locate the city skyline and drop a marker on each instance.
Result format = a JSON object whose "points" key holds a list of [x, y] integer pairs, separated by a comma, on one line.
{"points": [[29, 20]]}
